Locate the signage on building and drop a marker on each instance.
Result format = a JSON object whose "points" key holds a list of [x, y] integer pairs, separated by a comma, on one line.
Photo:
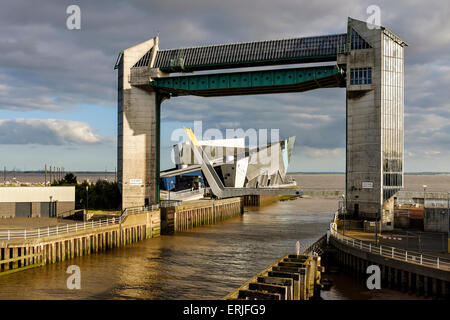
{"points": [[135, 182], [367, 185]]}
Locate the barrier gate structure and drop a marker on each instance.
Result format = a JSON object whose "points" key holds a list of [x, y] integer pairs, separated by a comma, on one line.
{"points": [[368, 63]]}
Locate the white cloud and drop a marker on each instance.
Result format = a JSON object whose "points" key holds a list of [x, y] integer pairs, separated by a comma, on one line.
{"points": [[47, 132], [43, 66]]}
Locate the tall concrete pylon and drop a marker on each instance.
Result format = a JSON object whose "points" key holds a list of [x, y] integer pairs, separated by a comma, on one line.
{"points": [[373, 59], [138, 128]]}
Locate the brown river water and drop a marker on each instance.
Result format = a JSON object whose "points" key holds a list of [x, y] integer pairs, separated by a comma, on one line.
{"points": [[203, 263]]}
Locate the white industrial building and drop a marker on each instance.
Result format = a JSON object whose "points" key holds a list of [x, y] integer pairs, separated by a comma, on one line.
{"points": [[27, 202]]}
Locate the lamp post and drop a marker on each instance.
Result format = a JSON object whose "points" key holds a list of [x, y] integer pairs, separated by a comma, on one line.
{"points": [[344, 213], [50, 209], [424, 196], [448, 221], [378, 221], [87, 198], [171, 183]]}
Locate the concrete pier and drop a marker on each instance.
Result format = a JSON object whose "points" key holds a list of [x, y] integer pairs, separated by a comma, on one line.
{"points": [[292, 277]]}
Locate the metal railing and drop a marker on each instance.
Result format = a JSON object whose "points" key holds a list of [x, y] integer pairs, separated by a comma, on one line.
{"points": [[170, 203], [57, 230], [314, 246], [391, 252], [73, 227], [135, 210]]}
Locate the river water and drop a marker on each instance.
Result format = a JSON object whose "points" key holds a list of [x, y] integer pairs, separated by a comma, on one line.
{"points": [[203, 263]]}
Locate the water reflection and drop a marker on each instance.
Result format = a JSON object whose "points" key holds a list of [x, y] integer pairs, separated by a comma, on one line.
{"points": [[203, 263]]}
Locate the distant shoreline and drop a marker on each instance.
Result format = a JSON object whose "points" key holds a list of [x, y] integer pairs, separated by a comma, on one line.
{"points": [[406, 173], [289, 173]]}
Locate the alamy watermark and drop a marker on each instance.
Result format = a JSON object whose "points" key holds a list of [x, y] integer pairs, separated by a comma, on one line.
{"points": [[259, 145], [74, 280], [374, 280], [373, 21], [73, 21]]}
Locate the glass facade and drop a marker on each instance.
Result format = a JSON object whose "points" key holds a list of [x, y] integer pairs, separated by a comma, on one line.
{"points": [[392, 102], [357, 42], [360, 75]]}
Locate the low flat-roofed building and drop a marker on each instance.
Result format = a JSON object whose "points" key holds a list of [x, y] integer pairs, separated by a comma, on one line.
{"points": [[27, 202]]}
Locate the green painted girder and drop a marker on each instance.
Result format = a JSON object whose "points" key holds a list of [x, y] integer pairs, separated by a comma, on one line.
{"points": [[252, 82]]}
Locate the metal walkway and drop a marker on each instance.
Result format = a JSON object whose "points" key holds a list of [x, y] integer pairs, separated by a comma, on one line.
{"points": [[250, 54], [254, 82]]}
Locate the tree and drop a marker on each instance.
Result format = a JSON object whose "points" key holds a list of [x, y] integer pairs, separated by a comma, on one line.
{"points": [[69, 178], [103, 195]]}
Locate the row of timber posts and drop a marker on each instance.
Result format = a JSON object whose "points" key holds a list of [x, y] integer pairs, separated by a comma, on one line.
{"points": [[181, 218], [16, 256], [252, 200], [395, 278]]}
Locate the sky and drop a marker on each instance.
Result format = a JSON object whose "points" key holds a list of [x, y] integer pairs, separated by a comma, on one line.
{"points": [[58, 96]]}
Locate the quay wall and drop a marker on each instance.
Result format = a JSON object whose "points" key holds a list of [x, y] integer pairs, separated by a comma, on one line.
{"points": [[262, 200], [396, 274], [20, 254], [198, 213]]}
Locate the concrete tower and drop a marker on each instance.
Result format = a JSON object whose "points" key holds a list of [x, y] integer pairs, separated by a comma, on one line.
{"points": [[373, 60], [138, 126]]}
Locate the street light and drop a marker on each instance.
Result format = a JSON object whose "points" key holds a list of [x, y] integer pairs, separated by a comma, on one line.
{"points": [[171, 182], [87, 198], [50, 211], [448, 221], [424, 196], [343, 212], [377, 222]]}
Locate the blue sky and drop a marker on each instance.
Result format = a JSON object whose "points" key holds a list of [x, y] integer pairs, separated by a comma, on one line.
{"points": [[58, 87]]}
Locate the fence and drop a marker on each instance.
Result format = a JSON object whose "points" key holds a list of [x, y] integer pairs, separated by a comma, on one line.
{"points": [[178, 195], [134, 210], [314, 246], [170, 203], [392, 252], [73, 227], [57, 230]]}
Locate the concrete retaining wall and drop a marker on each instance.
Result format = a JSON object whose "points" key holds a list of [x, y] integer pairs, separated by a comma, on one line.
{"points": [[436, 220]]}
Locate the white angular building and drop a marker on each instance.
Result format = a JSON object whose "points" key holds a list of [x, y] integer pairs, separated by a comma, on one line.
{"points": [[239, 166]]}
